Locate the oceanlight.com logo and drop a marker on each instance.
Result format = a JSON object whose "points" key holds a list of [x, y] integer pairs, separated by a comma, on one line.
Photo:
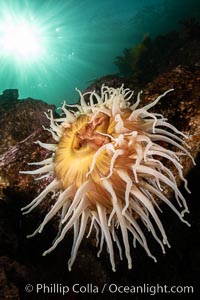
{"points": [[90, 288]]}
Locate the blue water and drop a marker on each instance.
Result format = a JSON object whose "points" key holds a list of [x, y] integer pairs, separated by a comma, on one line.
{"points": [[76, 41]]}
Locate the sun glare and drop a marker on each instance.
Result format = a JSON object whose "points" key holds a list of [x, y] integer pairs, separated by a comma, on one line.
{"points": [[20, 40]]}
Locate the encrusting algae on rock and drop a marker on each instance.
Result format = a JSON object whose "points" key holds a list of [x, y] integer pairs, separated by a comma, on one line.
{"points": [[108, 170]]}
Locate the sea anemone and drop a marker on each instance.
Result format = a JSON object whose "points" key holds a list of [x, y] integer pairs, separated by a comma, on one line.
{"points": [[109, 170]]}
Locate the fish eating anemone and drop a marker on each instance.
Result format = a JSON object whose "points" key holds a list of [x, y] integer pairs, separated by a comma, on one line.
{"points": [[110, 167]]}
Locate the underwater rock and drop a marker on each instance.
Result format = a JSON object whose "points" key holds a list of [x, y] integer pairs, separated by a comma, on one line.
{"points": [[8, 99], [20, 126], [21, 119], [12, 274], [9, 95]]}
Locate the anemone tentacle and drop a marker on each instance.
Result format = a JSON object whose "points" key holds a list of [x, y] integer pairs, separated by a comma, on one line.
{"points": [[109, 170]]}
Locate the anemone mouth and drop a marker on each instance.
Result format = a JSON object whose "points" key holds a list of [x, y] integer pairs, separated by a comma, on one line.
{"points": [[77, 147], [108, 165]]}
